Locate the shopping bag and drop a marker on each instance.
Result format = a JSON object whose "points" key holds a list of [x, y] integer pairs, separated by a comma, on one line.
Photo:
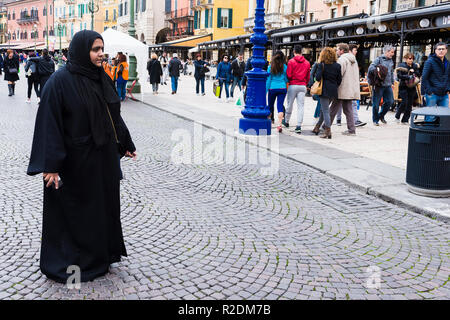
{"points": [[216, 88]]}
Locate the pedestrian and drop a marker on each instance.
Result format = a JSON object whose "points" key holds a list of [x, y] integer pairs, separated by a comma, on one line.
{"points": [[155, 72], [1, 63], [32, 76], [436, 77], [353, 50], [298, 73], [329, 71], [384, 89], [79, 137], [277, 86], [348, 89], [165, 66], [174, 72], [315, 96], [224, 76], [409, 75], [199, 74], [122, 76], [11, 70], [237, 71], [46, 67]]}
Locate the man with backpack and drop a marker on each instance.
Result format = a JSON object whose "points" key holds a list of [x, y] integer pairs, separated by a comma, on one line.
{"points": [[45, 66], [381, 77]]}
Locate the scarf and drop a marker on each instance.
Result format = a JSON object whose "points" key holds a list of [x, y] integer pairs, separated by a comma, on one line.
{"points": [[96, 88]]}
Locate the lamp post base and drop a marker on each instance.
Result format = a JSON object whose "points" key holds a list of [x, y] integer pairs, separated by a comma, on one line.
{"points": [[255, 127]]}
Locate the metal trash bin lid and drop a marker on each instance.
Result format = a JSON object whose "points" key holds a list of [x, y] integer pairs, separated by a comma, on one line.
{"points": [[441, 112]]}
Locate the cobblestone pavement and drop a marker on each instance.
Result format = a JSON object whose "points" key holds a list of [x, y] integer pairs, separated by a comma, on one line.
{"points": [[222, 231]]}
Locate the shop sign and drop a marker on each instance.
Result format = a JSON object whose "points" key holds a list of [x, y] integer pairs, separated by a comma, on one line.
{"points": [[443, 22], [405, 5]]}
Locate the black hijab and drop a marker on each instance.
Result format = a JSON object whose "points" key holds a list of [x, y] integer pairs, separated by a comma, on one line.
{"points": [[97, 89]]}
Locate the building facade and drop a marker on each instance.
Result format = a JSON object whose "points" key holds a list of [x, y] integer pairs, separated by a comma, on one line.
{"points": [[179, 19], [149, 18], [3, 23], [110, 14], [221, 18], [28, 22]]}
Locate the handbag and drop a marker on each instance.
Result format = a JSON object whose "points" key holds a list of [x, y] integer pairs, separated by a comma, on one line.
{"points": [[317, 87]]}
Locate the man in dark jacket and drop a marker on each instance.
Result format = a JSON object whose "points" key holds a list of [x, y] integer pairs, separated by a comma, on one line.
{"points": [[174, 72], [436, 77], [385, 90], [237, 71], [46, 67]]}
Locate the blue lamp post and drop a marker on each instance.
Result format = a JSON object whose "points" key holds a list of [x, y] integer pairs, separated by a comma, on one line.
{"points": [[256, 112]]}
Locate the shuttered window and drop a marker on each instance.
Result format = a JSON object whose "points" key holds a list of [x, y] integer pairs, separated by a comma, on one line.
{"points": [[225, 18], [196, 20]]}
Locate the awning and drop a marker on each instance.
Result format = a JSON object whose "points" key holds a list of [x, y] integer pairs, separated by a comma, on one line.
{"points": [[183, 43], [31, 46], [12, 45], [194, 50]]}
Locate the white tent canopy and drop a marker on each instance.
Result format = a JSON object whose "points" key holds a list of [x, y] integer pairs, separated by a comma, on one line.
{"points": [[116, 41]]}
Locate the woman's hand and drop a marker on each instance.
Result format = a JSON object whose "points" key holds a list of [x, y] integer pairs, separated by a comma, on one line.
{"points": [[131, 155], [50, 178]]}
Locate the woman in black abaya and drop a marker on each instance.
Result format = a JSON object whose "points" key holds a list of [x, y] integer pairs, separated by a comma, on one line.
{"points": [[79, 138]]}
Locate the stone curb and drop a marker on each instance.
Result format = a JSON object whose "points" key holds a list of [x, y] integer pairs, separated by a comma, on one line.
{"points": [[398, 187]]}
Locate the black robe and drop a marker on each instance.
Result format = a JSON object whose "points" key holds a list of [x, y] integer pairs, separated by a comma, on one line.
{"points": [[81, 220]]}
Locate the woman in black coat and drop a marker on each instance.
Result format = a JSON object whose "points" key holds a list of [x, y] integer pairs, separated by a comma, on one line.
{"points": [[155, 72], [408, 72], [11, 69], [79, 138], [199, 74], [329, 71]]}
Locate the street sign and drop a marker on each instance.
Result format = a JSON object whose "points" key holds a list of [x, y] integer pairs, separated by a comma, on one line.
{"points": [[405, 5]]}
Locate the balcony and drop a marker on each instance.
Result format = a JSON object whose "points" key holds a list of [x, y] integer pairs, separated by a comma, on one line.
{"points": [[200, 4], [330, 2], [70, 2], [272, 21], [175, 34], [293, 10], [180, 14], [27, 19]]}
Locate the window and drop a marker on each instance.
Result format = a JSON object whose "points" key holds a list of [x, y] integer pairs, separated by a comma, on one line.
{"points": [[106, 15], [196, 19], [143, 5], [373, 7], [333, 13], [114, 15], [311, 17], [51, 10], [345, 11], [126, 9], [120, 10], [14, 15], [136, 6], [225, 18], [44, 11]]}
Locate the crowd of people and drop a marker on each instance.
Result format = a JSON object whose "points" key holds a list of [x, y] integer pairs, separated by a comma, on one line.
{"points": [[336, 76]]}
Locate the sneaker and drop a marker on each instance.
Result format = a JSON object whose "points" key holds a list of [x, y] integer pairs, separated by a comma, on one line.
{"points": [[348, 133], [360, 124], [376, 124], [203, 94], [382, 120], [284, 123], [298, 129], [279, 129], [405, 123], [397, 120], [28, 101], [338, 123], [198, 94]]}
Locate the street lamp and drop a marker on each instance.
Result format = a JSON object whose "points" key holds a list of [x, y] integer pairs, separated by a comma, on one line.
{"points": [[256, 112], [60, 64], [93, 8], [133, 75], [35, 35]]}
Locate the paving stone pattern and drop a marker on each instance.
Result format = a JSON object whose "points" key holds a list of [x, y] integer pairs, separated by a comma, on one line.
{"points": [[222, 231]]}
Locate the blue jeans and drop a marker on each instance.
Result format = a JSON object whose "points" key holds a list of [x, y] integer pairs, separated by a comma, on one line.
{"points": [[227, 89], [280, 95], [236, 82], [388, 98], [198, 82], [318, 108], [121, 88], [434, 100], [174, 84]]}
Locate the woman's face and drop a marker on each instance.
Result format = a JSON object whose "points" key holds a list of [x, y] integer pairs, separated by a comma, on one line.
{"points": [[225, 59], [10, 55], [96, 53]]}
